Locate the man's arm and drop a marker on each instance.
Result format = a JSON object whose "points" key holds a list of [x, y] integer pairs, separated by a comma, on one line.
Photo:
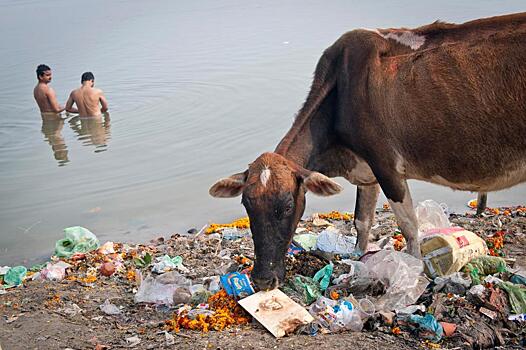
{"points": [[69, 105], [103, 103], [52, 98]]}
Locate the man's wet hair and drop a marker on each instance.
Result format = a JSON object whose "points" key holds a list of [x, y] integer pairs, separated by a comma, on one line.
{"points": [[41, 69], [86, 77]]}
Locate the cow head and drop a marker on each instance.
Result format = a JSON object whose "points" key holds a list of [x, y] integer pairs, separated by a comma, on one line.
{"points": [[273, 193]]}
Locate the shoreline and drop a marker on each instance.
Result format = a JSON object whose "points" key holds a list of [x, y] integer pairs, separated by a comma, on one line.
{"points": [[67, 313]]}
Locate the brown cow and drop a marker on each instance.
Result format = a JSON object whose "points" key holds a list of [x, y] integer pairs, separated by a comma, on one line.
{"points": [[443, 103]]}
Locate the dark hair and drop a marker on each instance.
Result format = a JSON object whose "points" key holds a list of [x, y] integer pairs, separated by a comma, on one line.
{"points": [[86, 76], [41, 69]]}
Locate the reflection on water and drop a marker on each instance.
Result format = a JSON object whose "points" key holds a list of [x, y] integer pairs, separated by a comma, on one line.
{"points": [[52, 129], [92, 131]]}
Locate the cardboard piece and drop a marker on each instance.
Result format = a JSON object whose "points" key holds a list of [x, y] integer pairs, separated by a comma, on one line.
{"points": [[278, 313]]}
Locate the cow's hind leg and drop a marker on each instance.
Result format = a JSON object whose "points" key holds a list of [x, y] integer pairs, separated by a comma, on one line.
{"points": [[366, 198], [482, 201]]}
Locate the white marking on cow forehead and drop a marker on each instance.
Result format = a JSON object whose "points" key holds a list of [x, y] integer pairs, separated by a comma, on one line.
{"points": [[407, 38], [264, 176]]}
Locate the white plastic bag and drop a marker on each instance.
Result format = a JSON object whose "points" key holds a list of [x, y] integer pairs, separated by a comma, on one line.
{"points": [[430, 215], [331, 240]]}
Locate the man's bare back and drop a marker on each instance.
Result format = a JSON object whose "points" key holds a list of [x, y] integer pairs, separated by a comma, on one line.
{"points": [[87, 99], [44, 94]]}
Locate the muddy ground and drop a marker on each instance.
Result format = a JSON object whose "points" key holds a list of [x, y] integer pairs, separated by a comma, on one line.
{"points": [[66, 314]]}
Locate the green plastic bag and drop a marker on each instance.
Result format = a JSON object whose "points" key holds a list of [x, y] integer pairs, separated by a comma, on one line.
{"points": [[78, 240], [517, 296], [15, 276], [483, 266], [308, 290], [323, 277]]}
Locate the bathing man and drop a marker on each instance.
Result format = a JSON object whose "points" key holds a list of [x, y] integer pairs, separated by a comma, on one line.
{"points": [[45, 95], [87, 98]]}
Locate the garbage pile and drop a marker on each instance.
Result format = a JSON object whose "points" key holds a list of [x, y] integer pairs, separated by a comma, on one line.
{"points": [[466, 292]]}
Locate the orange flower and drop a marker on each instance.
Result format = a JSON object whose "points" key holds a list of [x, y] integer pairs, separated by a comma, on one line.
{"points": [[335, 295], [336, 215], [396, 330]]}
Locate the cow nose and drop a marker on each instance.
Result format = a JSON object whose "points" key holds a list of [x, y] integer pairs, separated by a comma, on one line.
{"points": [[266, 283]]}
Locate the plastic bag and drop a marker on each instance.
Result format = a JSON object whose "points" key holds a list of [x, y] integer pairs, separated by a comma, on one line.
{"points": [[78, 240], [430, 215], [109, 309], [306, 241], [166, 263], [456, 283], [306, 289], [161, 290], [331, 241], [347, 318], [323, 276], [484, 265], [54, 272], [15, 275], [427, 326], [402, 275], [517, 296]]}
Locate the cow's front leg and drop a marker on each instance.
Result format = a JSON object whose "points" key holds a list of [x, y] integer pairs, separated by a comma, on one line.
{"points": [[366, 198], [406, 218]]}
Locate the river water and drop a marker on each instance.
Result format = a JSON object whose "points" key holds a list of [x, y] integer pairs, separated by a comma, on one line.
{"points": [[197, 90]]}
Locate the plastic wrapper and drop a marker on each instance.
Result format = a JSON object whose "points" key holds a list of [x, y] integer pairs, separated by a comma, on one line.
{"points": [[54, 272]]}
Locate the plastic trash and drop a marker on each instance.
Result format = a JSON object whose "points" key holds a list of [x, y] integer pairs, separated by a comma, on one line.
{"points": [[78, 240], [517, 296], [483, 266], [4, 269], [213, 284], [456, 283], [236, 284], [161, 289], [518, 279], [411, 309], [323, 311], [107, 248], [305, 287], [166, 263], [357, 269], [520, 317], [233, 233], [306, 241], [15, 275], [430, 215], [54, 272], [426, 326], [402, 275], [199, 294], [323, 276], [477, 290], [331, 241], [109, 309], [347, 318]]}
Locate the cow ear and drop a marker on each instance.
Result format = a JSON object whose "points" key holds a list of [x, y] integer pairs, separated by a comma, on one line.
{"points": [[229, 187], [320, 184]]}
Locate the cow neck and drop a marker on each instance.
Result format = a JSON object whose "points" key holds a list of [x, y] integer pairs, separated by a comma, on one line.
{"points": [[309, 135]]}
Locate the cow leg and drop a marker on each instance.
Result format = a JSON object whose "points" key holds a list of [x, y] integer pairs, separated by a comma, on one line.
{"points": [[406, 218], [366, 198], [482, 201]]}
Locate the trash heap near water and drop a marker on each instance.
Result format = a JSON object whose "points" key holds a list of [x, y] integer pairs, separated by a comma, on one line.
{"points": [[469, 291]]}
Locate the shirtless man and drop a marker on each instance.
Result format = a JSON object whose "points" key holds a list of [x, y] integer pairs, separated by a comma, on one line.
{"points": [[87, 98], [45, 95]]}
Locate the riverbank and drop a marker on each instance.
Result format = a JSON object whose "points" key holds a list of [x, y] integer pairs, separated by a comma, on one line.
{"points": [[70, 313]]}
